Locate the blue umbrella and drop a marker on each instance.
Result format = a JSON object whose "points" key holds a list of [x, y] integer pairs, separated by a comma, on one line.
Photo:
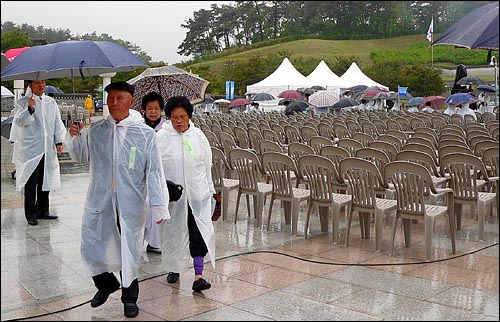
{"points": [[460, 98], [486, 88], [53, 89], [71, 58], [415, 101]]}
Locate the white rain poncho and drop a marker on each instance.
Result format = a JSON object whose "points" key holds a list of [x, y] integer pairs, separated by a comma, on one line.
{"points": [[35, 135], [126, 181], [467, 110], [187, 160]]}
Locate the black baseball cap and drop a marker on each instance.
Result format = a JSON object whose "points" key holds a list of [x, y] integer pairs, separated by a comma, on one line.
{"points": [[124, 86]]}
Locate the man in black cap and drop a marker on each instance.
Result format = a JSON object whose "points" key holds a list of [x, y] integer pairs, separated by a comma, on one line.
{"points": [[127, 182]]}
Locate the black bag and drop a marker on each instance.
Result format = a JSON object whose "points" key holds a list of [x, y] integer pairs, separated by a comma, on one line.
{"points": [[174, 190]]}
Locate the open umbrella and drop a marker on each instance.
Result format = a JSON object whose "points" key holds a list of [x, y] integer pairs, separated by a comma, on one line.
{"points": [[381, 95], [6, 92], [6, 126], [222, 100], [476, 30], [416, 101], [168, 81], [324, 98], [344, 102], [371, 93], [53, 89], [460, 98], [5, 61], [290, 94], [239, 102], [318, 88], [358, 88], [436, 102], [12, 53], [263, 97], [470, 80], [208, 99], [486, 88], [296, 106]]}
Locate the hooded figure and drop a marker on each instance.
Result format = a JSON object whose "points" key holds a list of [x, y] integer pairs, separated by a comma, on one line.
{"points": [[187, 160], [126, 181], [467, 110], [35, 133]]}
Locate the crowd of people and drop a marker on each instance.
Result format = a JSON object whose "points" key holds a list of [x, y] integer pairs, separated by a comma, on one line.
{"points": [[150, 180]]}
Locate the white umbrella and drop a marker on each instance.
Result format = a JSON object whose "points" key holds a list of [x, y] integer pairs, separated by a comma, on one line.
{"points": [[324, 98], [6, 92]]}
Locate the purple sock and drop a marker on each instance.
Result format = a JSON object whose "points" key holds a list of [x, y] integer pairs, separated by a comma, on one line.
{"points": [[198, 265]]}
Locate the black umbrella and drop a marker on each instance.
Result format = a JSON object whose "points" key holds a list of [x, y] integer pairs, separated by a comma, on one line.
{"points": [[476, 30], [344, 102], [262, 97], [6, 126], [470, 80], [318, 88], [358, 88], [296, 106], [209, 99]]}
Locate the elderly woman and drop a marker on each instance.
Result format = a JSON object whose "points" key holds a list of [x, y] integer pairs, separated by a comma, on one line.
{"points": [[187, 160]]}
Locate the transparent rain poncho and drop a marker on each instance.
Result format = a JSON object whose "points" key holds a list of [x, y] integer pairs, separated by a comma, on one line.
{"points": [[126, 181]]}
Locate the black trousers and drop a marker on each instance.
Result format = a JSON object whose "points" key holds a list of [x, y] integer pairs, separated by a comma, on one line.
{"points": [[197, 245], [107, 282], [36, 201]]}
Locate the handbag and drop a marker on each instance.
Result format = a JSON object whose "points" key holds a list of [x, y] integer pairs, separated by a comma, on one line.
{"points": [[174, 190]]}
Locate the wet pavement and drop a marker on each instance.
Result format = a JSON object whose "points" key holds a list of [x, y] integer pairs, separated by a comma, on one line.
{"points": [[260, 274]]}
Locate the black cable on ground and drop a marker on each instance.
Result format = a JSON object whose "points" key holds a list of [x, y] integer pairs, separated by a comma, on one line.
{"points": [[292, 256]]}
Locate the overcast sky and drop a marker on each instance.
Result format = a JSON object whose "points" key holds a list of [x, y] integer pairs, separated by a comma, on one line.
{"points": [[155, 26]]}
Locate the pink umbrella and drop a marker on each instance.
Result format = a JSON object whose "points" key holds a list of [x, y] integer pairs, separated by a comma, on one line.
{"points": [[290, 94], [372, 92], [436, 102], [14, 52], [239, 102]]}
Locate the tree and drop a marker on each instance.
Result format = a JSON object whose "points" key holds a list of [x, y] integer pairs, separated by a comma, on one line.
{"points": [[15, 39]]}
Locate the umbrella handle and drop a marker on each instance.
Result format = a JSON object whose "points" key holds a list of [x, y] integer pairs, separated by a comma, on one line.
{"points": [[81, 69]]}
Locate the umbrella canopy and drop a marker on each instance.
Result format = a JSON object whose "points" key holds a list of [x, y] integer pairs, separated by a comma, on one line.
{"points": [[70, 58], [374, 87], [394, 96], [345, 102], [381, 95], [209, 99], [486, 88], [222, 100], [12, 53], [168, 81], [53, 89], [239, 102], [263, 97], [296, 106], [436, 102], [477, 29], [6, 126], [6, 92], [460, 98], [416, 101], [318, 88], [358, 88], [290, 94], [371, 93], [470, 80], [324, 98]]}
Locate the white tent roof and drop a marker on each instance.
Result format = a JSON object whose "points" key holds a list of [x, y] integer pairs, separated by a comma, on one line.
{"points": [[6, 92], [354, 76], [322, 75], [285, 77]]}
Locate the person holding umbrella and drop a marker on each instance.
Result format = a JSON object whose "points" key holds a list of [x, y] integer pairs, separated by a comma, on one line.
{"points": [[38, 134], [126, 181], [187, 160]]}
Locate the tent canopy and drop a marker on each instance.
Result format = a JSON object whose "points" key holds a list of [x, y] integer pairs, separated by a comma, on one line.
{"points": [[354, 76], [322, 75], [285, 77]]}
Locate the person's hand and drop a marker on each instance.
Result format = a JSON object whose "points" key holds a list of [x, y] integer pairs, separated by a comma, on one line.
{"points": [[59, 148], [32, 102], [74, 128]]}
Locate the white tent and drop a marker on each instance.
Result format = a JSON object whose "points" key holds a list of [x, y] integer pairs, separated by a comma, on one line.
{"points": [[6, 92], [285, 77], [322, 75], [354, 76]]}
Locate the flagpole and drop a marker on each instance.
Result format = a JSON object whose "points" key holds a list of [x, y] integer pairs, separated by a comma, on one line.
{"points": [[432, 47]]}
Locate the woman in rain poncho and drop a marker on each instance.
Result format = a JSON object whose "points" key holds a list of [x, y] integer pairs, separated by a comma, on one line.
{"points": [[126, 181], [187, 160]]}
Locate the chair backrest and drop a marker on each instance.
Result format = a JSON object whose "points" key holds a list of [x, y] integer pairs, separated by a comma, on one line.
{"points": [[380, 125], [270, 135], [491, 161], [422, 148], [447, 149], [483, 145], [437, 122], [402, 136], [389, 148], [350, 145], [486, 116], [279, 167], [292, 134], [320, 173], [411, 182], [452, 136], [362, 137], [420, 140], [482, 138], [219, 167], [326, 130], [452, 142], [464, 170], [428, 131], [457, 119], [416, 123], [334, 154], [426, 136], [267, 146], [280, 131], [364, 179], [317, 142], [341, 131], [371, 129], [421, 158], [392, 139], [212, 139], [353, 126], [227, 141], [469, 118], [248, 167], [377, 157], [307, 132], [242, 136]]}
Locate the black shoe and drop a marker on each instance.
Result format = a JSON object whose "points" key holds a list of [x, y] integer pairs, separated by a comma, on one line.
{"points": [[50, 217], [131, 310], [151, 249], [33, 222], [101, 297], [200, 285], [172, 277]]}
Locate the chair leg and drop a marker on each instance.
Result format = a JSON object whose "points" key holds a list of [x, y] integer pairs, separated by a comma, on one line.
{"points": [[393, 233], [248, 206], [349, 220], [295, 215], [379, 222], [306, 226], [428, 222], [259, 208], [407, 231], [225, 202], [269, 214], [335, 223], [237, 206], [481, 209]]}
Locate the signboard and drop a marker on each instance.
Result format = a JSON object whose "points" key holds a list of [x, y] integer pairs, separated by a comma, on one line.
{"points": [[229, 90]]}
